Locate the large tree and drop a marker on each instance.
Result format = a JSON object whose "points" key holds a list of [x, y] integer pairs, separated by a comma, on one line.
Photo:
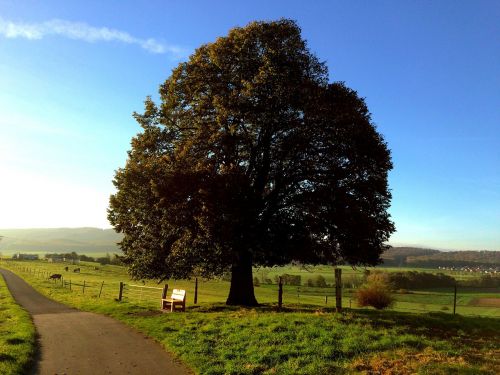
{"points": [[252, 159]]}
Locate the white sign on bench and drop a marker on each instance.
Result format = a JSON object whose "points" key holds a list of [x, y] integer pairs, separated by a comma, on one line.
{"points": [[177, 301]]}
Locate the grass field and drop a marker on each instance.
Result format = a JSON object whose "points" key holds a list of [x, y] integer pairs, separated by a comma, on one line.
{"points": [[17, 335], [307, 338], [216, 291]]}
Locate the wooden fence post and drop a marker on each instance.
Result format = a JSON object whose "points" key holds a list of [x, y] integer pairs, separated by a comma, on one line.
{"points": [[100, 290], [195, 290], [120, 293], [83, 286], [338, 289], [454, 299], [280, 293], [69, 284]]}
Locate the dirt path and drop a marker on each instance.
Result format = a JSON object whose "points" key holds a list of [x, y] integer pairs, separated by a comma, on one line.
{"points": [[75, 342]]}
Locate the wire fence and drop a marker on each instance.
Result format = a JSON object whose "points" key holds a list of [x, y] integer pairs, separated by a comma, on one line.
{"points": [[89, 288], [464, 300], [140, 294]]}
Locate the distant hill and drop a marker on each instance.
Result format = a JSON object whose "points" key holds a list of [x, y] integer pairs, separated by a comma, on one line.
{"points": [[417, 257], [80, 240], [93, 240]]}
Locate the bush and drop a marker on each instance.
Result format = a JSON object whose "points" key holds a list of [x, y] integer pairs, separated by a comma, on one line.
{"points": [[376, 292], [320, 281], [289, 279], [310, 283], [374, 296], [420, 280], [256, 281]]}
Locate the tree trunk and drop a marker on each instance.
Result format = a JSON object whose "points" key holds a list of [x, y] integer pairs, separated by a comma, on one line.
{"points": [[241, 291]]}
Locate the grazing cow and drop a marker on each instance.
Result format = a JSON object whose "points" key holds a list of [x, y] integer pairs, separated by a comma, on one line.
{"points": [[66, 268], [55, 276], [76, 270]]}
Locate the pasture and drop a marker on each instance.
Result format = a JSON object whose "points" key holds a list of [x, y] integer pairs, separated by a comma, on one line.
{"points": [[307, 337], [105, 280]]}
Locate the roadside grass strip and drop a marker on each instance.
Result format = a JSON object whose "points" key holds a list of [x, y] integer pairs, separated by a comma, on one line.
{"points": [[17, 335]]}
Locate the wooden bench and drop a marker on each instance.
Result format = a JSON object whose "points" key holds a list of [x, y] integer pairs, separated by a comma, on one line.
{"points": [[177, 301]]}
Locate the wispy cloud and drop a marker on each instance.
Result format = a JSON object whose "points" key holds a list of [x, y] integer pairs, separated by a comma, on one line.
{"points": [[83, 31]]}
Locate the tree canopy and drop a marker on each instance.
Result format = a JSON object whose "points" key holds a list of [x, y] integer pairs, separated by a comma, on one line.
{"points": [[252, 158]]}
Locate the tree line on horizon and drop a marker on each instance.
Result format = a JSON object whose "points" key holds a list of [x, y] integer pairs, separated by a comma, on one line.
{"points": [[429, 258]]}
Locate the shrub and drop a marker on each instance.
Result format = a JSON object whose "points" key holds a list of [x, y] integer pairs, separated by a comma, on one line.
{"points": [[289, 279], [256, 281], [374, 296], [320, 281], [417, 280], [376, 292], [310, 283], [379, 278]]}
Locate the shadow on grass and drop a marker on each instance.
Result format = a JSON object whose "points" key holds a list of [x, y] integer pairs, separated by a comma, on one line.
{"points": [[6, 357], [472, 331], [15, 341]]}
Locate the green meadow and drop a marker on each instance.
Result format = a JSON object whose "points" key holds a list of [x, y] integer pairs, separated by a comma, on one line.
{"points": [[419, 335], [17, 335]]}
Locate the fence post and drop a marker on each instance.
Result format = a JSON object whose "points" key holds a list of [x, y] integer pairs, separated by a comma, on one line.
{"points": [[83, 286], [195, 290], [164, 291], [100, 290], [120, 293], [280, 293], [326, 300], [454, 299], [69, 284], [338, 289]]}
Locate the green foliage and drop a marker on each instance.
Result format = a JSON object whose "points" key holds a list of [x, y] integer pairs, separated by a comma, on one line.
{"points": [[109, 259], [287, 279], [256, 281], [86, 258], [485, 281], [252, 158], [420, 280], [320, 281], [428, 258]]}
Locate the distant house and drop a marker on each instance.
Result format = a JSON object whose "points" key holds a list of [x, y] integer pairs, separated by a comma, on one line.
{"points": [[20, 256]]}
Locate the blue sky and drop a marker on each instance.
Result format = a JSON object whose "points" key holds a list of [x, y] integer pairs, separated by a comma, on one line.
{"points": [[71, 74]]}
